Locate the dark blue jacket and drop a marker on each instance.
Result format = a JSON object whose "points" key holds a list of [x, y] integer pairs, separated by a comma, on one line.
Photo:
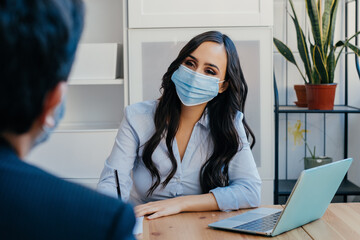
{"points": [[37, 205]]}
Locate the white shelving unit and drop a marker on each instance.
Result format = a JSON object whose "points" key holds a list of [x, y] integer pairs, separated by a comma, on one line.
{"points": [[94, 107], [151, 39], [203, 13], [118, 81]]}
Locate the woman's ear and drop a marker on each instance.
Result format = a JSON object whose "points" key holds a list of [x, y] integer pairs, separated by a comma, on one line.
{"points": [[224, 86], [51, 101]]}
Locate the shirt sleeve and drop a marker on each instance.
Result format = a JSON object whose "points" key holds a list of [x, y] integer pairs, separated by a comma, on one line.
{"points": [[244, 190], [122, 159]]}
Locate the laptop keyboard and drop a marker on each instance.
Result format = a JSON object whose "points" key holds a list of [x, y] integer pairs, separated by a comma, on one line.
{"points": [[260, 225]]}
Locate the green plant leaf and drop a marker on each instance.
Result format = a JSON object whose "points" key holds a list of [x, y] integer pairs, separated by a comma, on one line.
{"points": [[315, 75], [326, 19], [340, 43], [303, 49], [319, 5], [319, 65], [330, 64], [344, 44], [284, 50], [313, 14], [314, 153], [331, 28], [287, 54], [302, 45], [354, 48], [334, 9], [311, 46]]}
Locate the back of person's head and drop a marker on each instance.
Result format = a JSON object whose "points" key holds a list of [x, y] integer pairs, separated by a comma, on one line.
{"points": [[38, 41]]}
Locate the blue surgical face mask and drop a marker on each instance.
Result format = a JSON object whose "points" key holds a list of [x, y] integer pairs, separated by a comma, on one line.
{"points": [[194, 88], [47, 131]]}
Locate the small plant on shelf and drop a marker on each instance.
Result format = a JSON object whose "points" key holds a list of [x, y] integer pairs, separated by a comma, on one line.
{"points": [[313, 160]]}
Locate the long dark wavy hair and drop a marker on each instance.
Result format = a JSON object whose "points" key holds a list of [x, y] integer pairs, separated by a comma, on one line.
{"points": [[222, 110]]}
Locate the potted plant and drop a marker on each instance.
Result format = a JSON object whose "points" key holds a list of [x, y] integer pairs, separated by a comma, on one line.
{"points": [[300, 91], [318, 52], [313, 160]]}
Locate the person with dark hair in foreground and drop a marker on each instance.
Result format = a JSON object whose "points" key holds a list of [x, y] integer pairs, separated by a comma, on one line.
{"points": [[189, 150], [38, 40]]}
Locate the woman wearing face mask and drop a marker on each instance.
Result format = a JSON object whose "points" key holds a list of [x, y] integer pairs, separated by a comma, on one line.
{"points": [[188, 151]]}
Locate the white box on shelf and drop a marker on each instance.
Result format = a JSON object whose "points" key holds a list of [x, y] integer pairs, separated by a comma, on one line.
{"points": [[96, 61]]}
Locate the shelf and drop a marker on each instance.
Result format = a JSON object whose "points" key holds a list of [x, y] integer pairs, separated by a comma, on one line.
{"points": [[346, 188], [118, 81], [337, 109], [284, 187], [88, 127]]}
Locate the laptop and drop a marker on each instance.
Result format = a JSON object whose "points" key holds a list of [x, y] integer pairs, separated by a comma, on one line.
{"points": [[308, 202]]}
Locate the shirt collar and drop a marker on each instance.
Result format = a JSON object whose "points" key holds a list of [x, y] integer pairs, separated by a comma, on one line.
{"points": [[204, 120]]}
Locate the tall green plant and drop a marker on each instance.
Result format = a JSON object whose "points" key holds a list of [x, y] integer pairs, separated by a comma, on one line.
{"points": [[319, 57]]}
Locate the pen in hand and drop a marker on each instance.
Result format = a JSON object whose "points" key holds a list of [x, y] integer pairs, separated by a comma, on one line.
{"points": [[117, 184]]}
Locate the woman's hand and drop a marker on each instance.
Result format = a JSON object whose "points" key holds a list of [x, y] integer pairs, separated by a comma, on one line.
{"points": [[202, 202], [160, 208]]}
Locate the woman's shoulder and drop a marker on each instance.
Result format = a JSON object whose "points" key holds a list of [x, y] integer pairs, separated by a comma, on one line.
{"points": [[141, 109], [239, 116], [140, 116], [241, 130], [238, 122]]}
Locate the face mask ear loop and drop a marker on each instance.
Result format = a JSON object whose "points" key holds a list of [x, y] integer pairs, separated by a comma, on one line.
{"points": [[221, 81]]}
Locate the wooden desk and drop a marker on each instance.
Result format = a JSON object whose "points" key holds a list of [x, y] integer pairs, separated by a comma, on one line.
{"points": [[341, 221]]}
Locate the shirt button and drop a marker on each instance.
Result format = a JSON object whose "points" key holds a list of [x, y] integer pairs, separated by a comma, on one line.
{"points": [[178, 180]]}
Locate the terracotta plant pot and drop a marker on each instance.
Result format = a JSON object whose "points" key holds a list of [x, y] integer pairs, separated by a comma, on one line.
{"points": [[320, 96], [300, 91], [310, 162]]}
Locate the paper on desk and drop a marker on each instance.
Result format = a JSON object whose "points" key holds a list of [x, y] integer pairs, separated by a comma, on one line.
{"points": [[138, 228]]}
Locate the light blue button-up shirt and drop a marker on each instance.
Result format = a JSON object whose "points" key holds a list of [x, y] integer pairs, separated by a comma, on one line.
{"points": [[136, 129]]}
